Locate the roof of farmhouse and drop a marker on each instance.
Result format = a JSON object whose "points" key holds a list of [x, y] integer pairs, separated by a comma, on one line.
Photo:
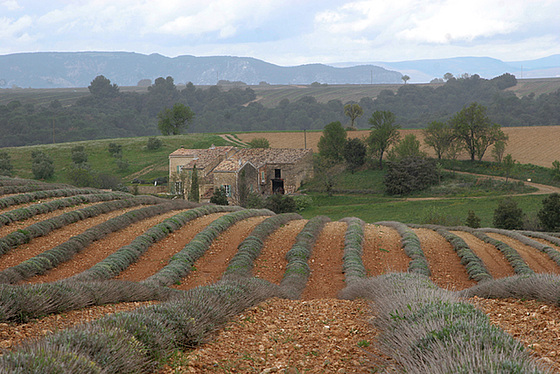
{"points": [[261, 156], [200, 157]]}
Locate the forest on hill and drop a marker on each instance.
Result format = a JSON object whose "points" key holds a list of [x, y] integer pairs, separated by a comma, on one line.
{"points": [[108, 112]]}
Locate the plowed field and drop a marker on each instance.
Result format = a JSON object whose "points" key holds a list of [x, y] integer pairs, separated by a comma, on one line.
{"points": [[529, 145], [320, 333]]}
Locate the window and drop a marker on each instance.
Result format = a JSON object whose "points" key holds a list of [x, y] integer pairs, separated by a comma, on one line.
{"points": [[277, 174], [263, 180], [227, 187]]}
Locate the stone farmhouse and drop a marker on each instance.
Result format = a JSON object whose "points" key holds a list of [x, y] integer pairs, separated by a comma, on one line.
{"points": [[265, 170]]}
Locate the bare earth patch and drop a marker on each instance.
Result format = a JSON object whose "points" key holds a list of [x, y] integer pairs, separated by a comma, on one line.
{"points": [[286, 336], [382, 251], [538, 261], [326, 279], [496, 263], [54, 238], [211, 266], [271, 264], [100, 249], [445, 265]]}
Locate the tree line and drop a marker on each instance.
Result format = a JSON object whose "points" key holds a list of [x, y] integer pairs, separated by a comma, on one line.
{"points": [[109, 113]]}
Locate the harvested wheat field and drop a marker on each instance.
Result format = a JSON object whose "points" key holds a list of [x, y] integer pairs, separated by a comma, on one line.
{"points": [[536, 145], [141, 284]]}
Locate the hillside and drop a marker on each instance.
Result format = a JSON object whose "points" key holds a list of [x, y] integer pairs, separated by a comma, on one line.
{"points": [[78, 69], [138, 284]]}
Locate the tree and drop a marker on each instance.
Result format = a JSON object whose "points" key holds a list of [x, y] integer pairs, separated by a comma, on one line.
{"points": [[405, 78], [508, 165], [101, 87], [409, 146], [498, 150], [384, 133], [194, 194], [42, 165], [219, 197], [79, 155], [353, 111], [448, 76], [6, 166], [355, 152], [508, 215], [555, 170], [259, 143], [410, 174], [549, 215], [171, 121], [472, 127], [331, 144], [473, 220], [439, 136]]}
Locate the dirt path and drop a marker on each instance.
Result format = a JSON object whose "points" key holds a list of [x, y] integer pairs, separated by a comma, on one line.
{"points": [[327, 279], [271, 264], [496, 263], [445, 265], [99, 250], [54, 238], [538, 261], [211, 266], [382, 251], [158, 255]]}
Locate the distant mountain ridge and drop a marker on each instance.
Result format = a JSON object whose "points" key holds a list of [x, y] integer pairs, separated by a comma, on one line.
{"points": [[78, 69], [421, 71]]}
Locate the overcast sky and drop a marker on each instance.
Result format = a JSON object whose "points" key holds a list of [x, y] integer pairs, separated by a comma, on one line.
{"points": [[287, 32]]}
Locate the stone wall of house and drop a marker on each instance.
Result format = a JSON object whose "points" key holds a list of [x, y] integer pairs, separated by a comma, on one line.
{"points": [[292, 174], [227, 179]]}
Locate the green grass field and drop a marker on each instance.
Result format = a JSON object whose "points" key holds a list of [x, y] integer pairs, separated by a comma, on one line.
{"points": [[144, 164]]}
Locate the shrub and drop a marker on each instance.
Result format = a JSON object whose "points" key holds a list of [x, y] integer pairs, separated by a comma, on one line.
{"points": [[259, 143], [280, 203], [79, 156], [42, 165], [409, 175], [434, 216], [115, 150], [549, 215], [219, 197], [154, 144], [508, 215], [6, 166], [302, 202], [122, 164]]}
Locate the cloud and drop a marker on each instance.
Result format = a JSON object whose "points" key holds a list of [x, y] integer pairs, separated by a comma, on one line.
{"points": [[10, 5]]}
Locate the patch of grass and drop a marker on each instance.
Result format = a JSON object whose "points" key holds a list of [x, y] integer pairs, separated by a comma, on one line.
{"points": [[523, 172], [144, 163], [373, 208]]}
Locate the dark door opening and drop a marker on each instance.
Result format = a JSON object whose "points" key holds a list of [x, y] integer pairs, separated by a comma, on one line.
{"points": [[278, 186], [277, 174]]}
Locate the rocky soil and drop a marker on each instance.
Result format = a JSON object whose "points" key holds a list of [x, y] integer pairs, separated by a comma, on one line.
{"points": [[318, 334]]}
